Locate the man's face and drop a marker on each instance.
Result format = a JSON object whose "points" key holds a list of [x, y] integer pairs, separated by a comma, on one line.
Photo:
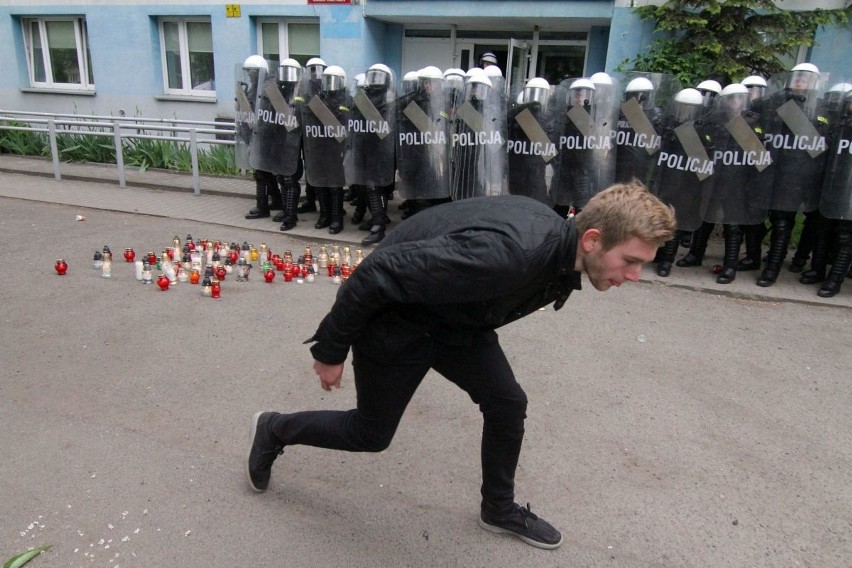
{"points": [[622, 263]]}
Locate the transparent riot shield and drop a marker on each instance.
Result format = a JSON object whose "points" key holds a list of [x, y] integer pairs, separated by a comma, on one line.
{"points": [[422, 142], [644, 96], [276, 141], [585, 144], [478, 141], [683, 164], [246, 83], [735, 193], [370, 149], [532, 145], [325, 118], [795, 130], [836, 199]]}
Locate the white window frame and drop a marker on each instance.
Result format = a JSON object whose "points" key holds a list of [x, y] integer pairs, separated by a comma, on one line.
{"points": [[186, 73], [80, 37], [283, 33]]}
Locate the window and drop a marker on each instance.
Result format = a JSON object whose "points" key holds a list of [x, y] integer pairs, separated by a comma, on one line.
{"points": [[187, 50], [58, 53], [280, 39]]}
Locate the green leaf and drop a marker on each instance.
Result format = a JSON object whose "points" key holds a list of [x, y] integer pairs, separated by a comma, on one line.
{"points": [[20, 559]]}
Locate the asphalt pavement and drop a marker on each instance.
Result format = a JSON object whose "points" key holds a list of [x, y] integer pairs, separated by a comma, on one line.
{"points": [[672, 423]]}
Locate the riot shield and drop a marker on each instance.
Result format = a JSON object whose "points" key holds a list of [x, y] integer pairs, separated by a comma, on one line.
{"points": [[585, 144], [532, 148], [276, 141], [795, 130], [836, 200], [246, 83], [683, 164], [422, 148], [478, 141], [641, 108], [370, 149], [735, 194], [324, 134]]}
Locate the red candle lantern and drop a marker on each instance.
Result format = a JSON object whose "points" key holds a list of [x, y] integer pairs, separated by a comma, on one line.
{"points": [[129, 255], [215, 289], [163, 282], [269, 275], [61, 267], [221, 272]]}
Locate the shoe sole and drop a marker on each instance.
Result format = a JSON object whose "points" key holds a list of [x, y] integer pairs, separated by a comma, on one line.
{"points": [[531, 542], [252, 433]]}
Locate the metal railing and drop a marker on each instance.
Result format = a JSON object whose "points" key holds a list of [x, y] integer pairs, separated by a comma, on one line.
{"points": [[195, 133]]}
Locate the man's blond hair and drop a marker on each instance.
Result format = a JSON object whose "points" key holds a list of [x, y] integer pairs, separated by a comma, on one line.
{"points": [[627, 210]]}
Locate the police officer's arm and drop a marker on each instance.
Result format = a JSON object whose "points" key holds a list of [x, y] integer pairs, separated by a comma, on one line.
{"points": [[469, 266]]}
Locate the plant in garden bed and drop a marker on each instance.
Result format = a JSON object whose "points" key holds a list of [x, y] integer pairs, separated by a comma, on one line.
{"points": [[24, 557]]}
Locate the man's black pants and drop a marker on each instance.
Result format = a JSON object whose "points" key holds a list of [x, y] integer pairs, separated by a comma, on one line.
{"points": [[389, 360]]}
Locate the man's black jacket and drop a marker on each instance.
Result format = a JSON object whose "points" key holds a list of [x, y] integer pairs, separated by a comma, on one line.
{"points": [[457, 268]]}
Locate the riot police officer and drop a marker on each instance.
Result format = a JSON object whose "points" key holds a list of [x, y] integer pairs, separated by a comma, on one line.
{"points": [[325, 122], [533, 138], [795, 128], [638, 131], [250, 77], [422, 149], [836, 201], [307, 89], [682, 164], [276, 143], [370, 152]]}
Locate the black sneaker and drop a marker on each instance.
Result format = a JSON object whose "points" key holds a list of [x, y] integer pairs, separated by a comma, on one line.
{"points": [[521, 522], [261, 453]]}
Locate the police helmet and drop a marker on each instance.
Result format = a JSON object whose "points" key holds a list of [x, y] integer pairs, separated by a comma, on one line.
{"points": [[379, 75], [478, 86], [536, 90], [315, 67], [688, 104], [255, 62], [289, 71], [488, 57], [333, 78], [582, 89]]}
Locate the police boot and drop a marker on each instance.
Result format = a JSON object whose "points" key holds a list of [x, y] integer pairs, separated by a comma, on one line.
{"points": [[261, 208], [276, 191], [819, 261], [360, 202], [699, 245], [310, 205], [323, 196], [842, 263], [283, 182], [336, 224], [807, 242], [291, 199], [378, 210], [669, 250], [782, 229], [753, 236], [733, 239]]}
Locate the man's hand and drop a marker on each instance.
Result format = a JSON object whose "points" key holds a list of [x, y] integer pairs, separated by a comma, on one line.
{"points": [[329, 375]]}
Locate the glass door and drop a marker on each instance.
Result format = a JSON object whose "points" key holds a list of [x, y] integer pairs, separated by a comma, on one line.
{"points": [[518, 63]]}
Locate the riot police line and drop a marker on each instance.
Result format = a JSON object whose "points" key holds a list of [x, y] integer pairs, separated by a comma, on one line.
{"points": [[751, 153]]}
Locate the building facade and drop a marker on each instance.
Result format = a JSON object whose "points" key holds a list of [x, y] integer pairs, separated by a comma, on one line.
{"points": [[167, 59]]}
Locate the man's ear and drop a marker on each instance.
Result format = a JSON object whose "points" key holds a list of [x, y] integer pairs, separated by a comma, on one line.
{"points": [[590, 239]]}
